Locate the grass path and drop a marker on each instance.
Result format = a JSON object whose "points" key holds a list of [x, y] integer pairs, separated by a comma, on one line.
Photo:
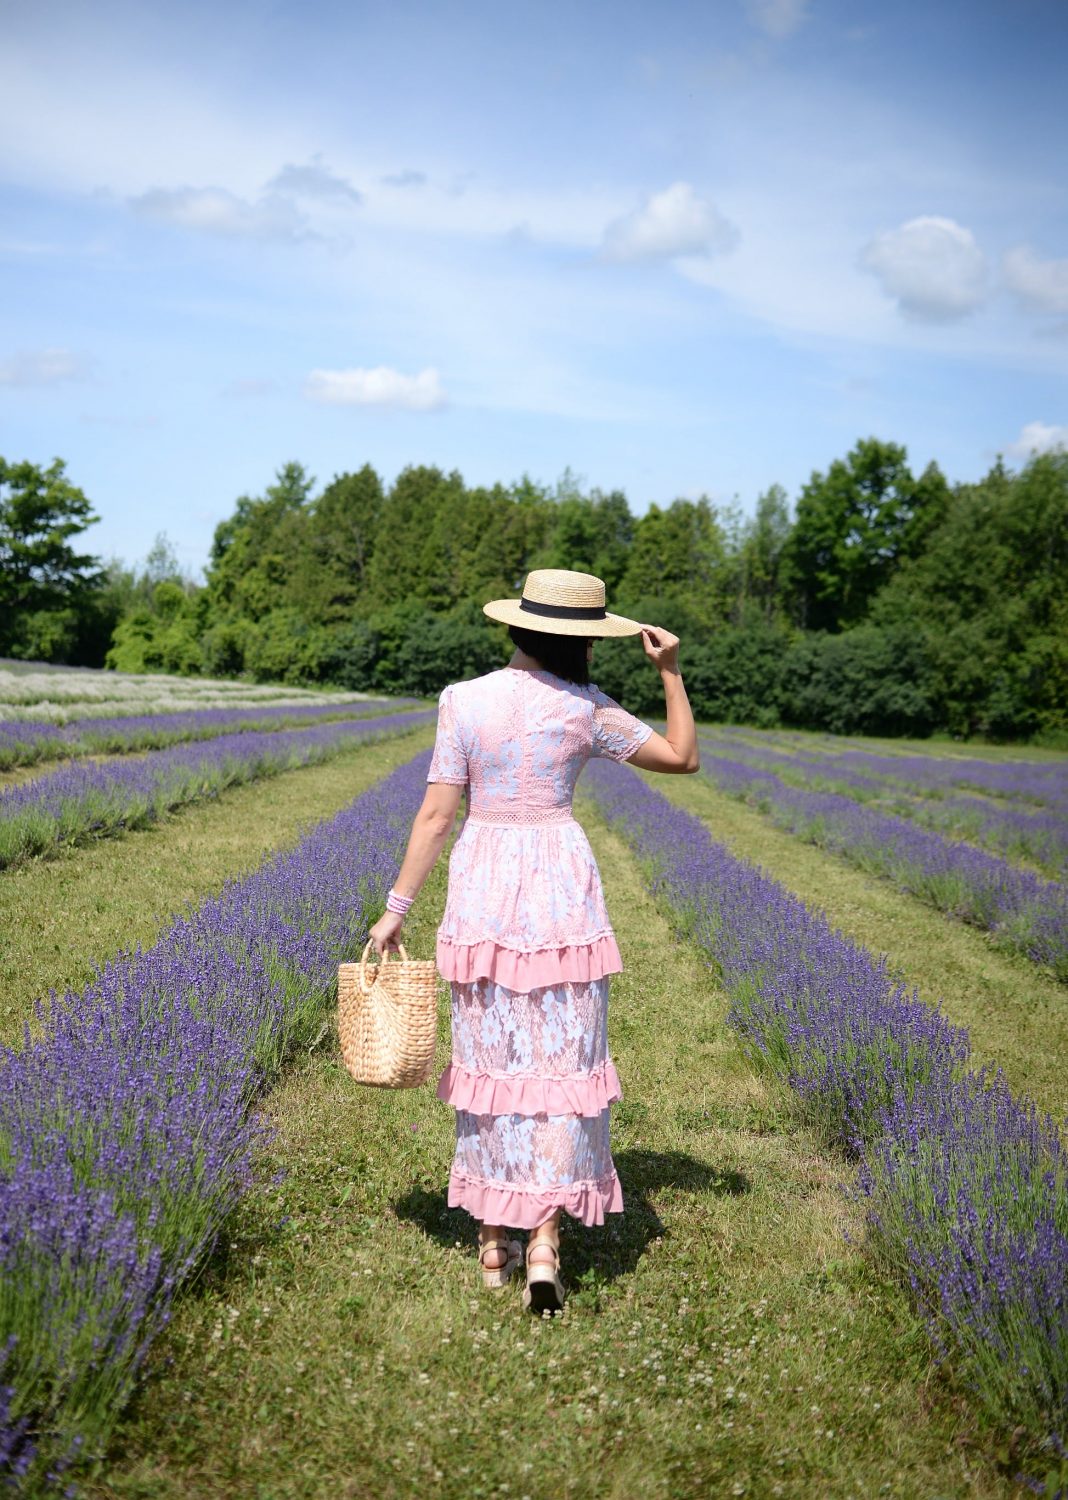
{"points": [[1017, 1015], [721, 1338], [60, 916]]}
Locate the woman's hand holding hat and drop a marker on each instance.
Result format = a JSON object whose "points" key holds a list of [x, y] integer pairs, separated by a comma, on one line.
{"points": [[661, 647]]}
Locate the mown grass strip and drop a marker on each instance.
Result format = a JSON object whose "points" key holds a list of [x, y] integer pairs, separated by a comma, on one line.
{"points": [[127, 1130], [721, 1337], [967, 1187], [85, 802], [60, 918]]}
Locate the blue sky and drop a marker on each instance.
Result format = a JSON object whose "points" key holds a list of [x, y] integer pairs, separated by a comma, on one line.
{"points": [[682, 248]]}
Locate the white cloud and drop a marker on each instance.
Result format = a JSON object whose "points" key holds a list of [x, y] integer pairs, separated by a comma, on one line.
{"points": [[1040, 283], [668, 224], [41, 367], [313, 181], [777, 18], [932, 266], [215, 210], [1039, 437], [406, 179], [380, 386]]}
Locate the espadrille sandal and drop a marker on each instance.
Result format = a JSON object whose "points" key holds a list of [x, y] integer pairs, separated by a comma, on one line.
{"points": [[496, 1276], [545, 1290]]}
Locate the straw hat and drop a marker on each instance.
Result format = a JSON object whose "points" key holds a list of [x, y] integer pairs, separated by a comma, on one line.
{"points": [[560, 602]]}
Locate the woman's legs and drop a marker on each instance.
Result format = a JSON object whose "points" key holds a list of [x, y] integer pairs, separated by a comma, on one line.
{"points": [[543, 1245], [493, 1260], [542, 1242]]}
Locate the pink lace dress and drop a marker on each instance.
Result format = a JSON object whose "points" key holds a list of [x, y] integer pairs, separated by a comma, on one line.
{"points": [[527, 946]]}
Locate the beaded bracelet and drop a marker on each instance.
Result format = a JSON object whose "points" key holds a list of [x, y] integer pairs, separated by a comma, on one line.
{"points": [[398, 904]]}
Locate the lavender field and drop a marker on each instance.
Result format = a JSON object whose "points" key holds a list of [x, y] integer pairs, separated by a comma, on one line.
{"points": [[128, 1130], [886, 815], [843, 1268], [967, 1186], [83, 801], [25, 743], [36, 692]]}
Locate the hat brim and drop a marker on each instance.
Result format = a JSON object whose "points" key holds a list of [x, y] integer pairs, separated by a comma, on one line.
{"points": [[508, 612]]}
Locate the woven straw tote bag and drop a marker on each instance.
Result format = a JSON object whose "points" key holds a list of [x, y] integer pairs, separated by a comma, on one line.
{"points": [[387, 1017]]}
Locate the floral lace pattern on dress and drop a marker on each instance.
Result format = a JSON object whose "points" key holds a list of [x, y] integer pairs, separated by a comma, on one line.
{"points": [[545, 1051], [529, 1165]]}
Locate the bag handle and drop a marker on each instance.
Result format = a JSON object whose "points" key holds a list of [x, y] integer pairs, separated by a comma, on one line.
{"points": [[364, 986]]}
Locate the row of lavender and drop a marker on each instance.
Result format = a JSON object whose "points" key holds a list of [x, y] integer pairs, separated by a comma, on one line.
{"points": [[128, 1133], [966, 1186], [25, 744], [1041, 782], [83, 800], [1024, 913], [1039, 835]]}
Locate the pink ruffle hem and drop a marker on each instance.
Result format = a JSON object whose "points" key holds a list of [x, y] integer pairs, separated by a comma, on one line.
{"points": [[584, 1094], [517, 970], [526, 1208]]}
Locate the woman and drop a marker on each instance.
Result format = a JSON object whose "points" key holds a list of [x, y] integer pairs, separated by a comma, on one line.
{"points": [[525, 940]]}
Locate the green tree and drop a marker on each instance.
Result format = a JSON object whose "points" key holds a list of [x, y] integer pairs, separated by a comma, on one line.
{"points": [[989, 596], [405, 564], [334, 569], [679, 555], [854, 525], [589, 533], [257, 552], [160, 636], [870, 680], [761, 549], [41, 573]]}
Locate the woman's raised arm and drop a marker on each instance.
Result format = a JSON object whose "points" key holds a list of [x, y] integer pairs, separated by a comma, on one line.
{"points": [[674, 753]]}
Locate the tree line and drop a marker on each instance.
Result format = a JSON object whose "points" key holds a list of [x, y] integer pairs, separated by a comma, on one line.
{"points": [[887, 602]]}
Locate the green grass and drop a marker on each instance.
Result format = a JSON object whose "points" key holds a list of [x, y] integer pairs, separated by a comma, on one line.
{"points": [[721, 1338], [59, 917], [1017, 1015]]}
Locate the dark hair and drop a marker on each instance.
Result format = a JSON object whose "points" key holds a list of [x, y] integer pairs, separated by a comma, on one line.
{"points": [[563, 655]]}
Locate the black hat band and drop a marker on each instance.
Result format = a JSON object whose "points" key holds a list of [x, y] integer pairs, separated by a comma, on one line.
{"points": [[563, 611]]}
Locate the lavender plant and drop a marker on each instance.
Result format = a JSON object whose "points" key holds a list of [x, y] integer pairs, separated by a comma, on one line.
{"points": [[127, 1133], [1038, 782], [83, 801], [1024, 912], [967, 1187], [25, 744], [1039, 835]]}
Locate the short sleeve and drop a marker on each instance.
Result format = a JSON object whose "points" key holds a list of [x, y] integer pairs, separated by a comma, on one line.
{"points": [[616, 733], [449, 761]]}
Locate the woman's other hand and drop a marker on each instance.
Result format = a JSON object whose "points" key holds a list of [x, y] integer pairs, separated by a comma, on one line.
{"points": [[675, 752], [385, 934], [661, 647]]}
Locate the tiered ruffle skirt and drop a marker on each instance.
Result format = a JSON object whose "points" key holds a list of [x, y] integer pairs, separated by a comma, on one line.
{"points": [[528, 950]]}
